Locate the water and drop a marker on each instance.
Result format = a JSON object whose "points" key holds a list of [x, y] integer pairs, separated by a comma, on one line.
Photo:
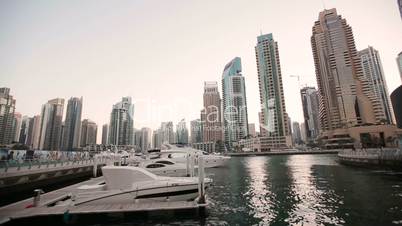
{"points": [[290, 190]]}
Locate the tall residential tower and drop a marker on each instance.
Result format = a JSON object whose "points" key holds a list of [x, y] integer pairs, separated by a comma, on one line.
{"points": [[72, 124], [345, 97], [121, 125], [51, 124], [7, 109], [211, 114], [309, 98], [273, 116], [374, 75], [234, 103]]}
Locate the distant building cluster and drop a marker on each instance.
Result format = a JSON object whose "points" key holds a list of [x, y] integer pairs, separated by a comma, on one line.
{"points": [[47, 130], [350, 107]]}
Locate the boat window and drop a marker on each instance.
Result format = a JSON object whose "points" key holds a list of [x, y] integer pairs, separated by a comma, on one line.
{"points": [[155, 165], [177, 155], [165, 162]]}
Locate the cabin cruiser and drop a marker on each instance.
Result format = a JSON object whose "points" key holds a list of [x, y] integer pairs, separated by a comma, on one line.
{"points": [[166, 167], [181, 154], [128, 185]]}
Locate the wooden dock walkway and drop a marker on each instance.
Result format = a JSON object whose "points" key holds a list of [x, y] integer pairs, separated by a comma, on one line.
{"points": [[19, 210]]}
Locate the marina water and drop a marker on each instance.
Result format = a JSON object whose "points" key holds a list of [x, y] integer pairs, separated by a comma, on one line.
{"points": [[289, 190]]}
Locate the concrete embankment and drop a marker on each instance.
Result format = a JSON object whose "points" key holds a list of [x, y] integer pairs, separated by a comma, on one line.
{"points": [[376, 157], [284, 152]]}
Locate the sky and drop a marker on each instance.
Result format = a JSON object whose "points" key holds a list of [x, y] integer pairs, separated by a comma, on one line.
{"points": [[161, 52]]}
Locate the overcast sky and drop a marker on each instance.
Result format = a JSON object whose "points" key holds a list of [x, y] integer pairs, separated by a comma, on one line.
{"points": [[161, 52]]}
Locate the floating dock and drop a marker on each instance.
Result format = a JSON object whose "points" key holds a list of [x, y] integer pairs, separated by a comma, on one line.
{"points": [[24, 209]]}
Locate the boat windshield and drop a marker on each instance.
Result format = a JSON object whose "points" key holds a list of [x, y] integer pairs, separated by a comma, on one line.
{"points": [[165, 162], [155, 165]]}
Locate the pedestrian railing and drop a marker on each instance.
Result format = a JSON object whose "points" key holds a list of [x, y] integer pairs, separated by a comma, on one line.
{"points": [[35, 164]]}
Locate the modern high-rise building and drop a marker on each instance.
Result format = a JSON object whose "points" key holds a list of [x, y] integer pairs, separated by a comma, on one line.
{"points": [[25, 124], [17, 122], [89, 131], [105, 134], [167, 135], [345, 97], [182, 132], [30, 132], [35, 132], [251, 130], [7, 109], [374, 75], [137, 138], [399, 62], [146, 139], [121, 126], [349, 111], [211, 114], [234, 103], [396, 98], [72, 125], [309, 98], [273, 116], [296, 134], [196, 131], [51, 124], [156, 139]]}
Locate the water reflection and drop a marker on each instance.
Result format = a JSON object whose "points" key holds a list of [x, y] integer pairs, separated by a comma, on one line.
{"points": [[260, 198], [317, 202]]}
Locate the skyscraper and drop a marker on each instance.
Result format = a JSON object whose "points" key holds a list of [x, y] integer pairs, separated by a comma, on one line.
{"points": [[251, 130], [25, 125], [211, 114], [344, 95], [182, 132], [399, 61], [7, 109], [196, 131], [273, 117], [72, 124], [374, 75], [17, 122], [121, 125], [156, 139], [309, 98], [296, 133], [50, 125], [234, 103], [105, 134], [146, 139], [35, 132], [396, 98], [167, 135], [89, 131]]}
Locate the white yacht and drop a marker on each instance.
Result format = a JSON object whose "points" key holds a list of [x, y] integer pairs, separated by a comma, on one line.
{"points": [[128, 184], [165, 167], [181, 154]]}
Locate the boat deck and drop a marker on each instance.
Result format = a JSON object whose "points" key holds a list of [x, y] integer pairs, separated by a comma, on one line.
{"points": [[19, 210]]}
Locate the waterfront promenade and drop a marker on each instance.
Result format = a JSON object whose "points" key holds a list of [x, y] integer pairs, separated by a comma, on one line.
{"points": [[373, 157], [283, 152]]}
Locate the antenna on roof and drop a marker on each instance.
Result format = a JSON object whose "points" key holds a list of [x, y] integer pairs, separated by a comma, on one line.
{"points": [[260, 32], [323, 4]]}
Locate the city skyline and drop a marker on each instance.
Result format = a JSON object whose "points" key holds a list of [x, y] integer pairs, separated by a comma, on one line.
{"points": [[14, 73]]}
